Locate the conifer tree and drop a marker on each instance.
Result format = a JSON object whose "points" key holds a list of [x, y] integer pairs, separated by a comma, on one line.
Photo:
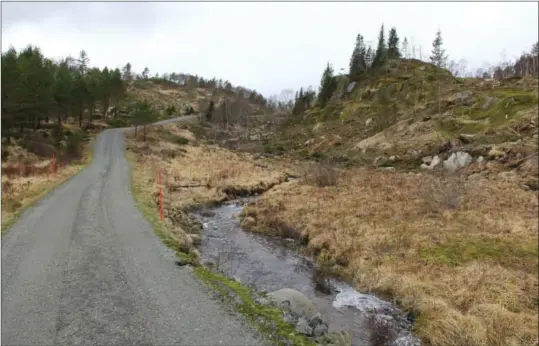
{"points": [[438, 57], [326, 86], [381, 50], [369, 57], [358, 63], [393, 45]]}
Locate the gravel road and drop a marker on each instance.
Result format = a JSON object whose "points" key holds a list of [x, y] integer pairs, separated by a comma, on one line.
{"points": [[84, 267]]}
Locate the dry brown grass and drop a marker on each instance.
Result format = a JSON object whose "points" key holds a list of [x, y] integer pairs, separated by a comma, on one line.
{"points": [[193, 176], [461, 252], [321, 174]]}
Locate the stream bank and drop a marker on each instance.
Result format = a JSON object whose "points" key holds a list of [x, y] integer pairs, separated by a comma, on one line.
{"points": [[270, 264]]}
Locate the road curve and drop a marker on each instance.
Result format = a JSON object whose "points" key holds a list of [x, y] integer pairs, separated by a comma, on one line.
{"points": [[84, 267]]}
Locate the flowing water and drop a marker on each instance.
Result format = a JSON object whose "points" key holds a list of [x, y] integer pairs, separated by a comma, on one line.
{"points": [[270, 264]]}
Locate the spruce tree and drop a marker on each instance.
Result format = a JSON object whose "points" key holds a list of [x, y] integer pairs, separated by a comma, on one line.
{"points": [[381, 50], [326, 86], [369, 57], [438, 57], [358, 63], [393, 45], [353, 60]]}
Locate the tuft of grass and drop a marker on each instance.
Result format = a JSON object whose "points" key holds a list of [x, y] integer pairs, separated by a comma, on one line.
{"points": [[321, 174]]}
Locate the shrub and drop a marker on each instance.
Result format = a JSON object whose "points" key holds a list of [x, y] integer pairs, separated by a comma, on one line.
{"points": [[74, 146], [181, 140], [321, 174], [117, 123], [5, 155], [170, 110], [57, 134]]}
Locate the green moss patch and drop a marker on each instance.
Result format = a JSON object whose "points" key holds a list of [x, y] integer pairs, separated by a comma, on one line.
{"points": [[497, 250], [266, 319]]}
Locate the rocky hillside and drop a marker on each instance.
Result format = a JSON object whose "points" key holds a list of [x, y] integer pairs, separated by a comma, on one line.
{"points": [[408, 112], [171, 98]]}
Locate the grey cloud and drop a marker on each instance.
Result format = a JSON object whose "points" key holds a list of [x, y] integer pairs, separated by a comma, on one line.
{"points": [[266, 46]]}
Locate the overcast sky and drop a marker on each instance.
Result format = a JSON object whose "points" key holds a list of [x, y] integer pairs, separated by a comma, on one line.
{"points": [[263, 46]]}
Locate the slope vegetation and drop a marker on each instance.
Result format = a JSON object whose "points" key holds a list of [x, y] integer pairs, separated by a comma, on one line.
{"points": [[458, 250]]}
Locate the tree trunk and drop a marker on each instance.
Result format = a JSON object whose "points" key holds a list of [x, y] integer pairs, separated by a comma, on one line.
{"points": [[136, 132], [144, 135], [37, 121]]}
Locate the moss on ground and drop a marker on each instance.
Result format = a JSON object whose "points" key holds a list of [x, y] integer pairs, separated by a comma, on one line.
{"points": [[267, 319], [498, 250]]}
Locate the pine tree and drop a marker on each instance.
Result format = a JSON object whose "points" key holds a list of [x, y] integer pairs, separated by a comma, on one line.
{"points": [[145, 73], [36, 88], [327, 86], [381, 50], [393, 45], [369, 57], [438, 57], [83, 62], [142, 114], [358, 64], [353, 61], [535, 48], [127, 73]]}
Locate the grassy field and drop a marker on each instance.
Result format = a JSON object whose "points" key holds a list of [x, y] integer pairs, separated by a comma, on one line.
{"points": [[460, 252], [193, 175]]}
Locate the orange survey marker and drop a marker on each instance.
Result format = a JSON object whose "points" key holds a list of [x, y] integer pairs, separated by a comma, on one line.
{"points": [[160, 196]]}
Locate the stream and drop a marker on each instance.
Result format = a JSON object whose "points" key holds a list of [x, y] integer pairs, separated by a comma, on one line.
{"points": [[269, 264]]}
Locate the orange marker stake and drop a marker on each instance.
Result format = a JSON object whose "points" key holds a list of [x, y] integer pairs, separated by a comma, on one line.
{"points": [[160, 196]]}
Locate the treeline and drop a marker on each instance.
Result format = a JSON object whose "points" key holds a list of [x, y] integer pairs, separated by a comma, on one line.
{"points": [[37, 90], [366, 57], [194, 81]]}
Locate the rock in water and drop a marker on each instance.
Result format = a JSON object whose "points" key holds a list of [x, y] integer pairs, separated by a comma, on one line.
{"points": [[299, 303], [320, 330], [302, 326]]}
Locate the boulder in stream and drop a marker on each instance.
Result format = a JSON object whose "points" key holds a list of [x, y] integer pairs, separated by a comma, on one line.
{"points": [[299, 303], [303, 327]]}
